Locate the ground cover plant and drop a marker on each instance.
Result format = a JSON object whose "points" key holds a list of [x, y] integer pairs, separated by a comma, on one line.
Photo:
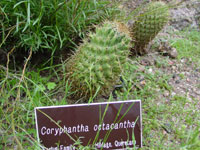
{"points": [[170, 111]]}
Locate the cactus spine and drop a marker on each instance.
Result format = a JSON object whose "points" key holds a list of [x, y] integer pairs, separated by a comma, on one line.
{"points": [[150, 20], [96, 66]]}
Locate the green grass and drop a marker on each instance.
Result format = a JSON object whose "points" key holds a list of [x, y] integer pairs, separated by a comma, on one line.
{"points": [[49, 25], [188, 45], [35, 90]]}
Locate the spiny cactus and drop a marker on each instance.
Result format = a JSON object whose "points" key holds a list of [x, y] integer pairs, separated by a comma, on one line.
{"points": [[96, 66], [150, 20]]}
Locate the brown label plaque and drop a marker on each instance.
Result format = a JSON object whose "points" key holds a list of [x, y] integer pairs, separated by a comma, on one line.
{"points": [[108, 125]]}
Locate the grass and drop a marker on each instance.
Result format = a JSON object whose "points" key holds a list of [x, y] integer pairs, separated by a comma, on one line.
{"points": [[188, 45], [34, 92], [49, 25]]}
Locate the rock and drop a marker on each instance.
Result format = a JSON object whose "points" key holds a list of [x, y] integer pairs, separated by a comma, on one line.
{"points": [[173, 53], [182, 18], [150, 70], [143, 82], [173, 93], [182, 60], [173, 67], [166, 94], [186, 15], [166, 49]]}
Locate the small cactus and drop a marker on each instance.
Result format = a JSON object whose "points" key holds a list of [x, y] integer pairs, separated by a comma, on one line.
{"points": [[150, 20], [96, 66]]}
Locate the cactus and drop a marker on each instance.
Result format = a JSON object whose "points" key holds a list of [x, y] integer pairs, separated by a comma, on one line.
{"points": [[150, 20], [96, 66]]}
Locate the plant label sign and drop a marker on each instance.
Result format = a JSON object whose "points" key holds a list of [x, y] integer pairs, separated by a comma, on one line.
{"points": [[107, 125]]}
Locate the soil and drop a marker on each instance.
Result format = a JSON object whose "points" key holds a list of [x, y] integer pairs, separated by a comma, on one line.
{"points": [[184, 76]]}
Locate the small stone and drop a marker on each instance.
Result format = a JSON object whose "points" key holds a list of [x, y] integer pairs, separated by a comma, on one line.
{"points": [[150, 70], [173, 93], [166, 94], [173, 67], [182, 60], [143, 82], [164, 132], [173, 53]]}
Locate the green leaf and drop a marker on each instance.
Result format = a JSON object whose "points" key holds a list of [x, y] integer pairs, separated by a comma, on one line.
{"points": [[51, 85]]}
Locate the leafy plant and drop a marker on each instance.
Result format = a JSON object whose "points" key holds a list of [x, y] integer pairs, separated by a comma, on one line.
{"points": [[48, 25]]}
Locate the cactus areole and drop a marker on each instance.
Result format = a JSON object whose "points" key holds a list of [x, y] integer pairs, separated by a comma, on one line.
{"points": [[96, 66]]}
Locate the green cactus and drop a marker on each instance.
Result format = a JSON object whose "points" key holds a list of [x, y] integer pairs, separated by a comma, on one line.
{"points": [[96, 66], [150, 20]]}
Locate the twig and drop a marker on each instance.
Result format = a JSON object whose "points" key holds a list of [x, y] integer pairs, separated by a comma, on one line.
{"points": [[7, 67], [8, 60], [23, 72]]}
